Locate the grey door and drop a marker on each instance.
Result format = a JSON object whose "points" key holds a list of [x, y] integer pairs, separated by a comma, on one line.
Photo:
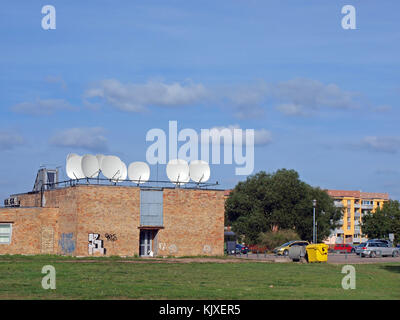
{"points": [[146, 242]]}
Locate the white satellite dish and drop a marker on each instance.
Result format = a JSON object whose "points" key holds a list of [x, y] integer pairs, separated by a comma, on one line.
{"points": [[100, 158], [73, 167], [139, 172], [123, 172], [71, 155], [199, 171], [178, 171], [111, 167], [90, 166]]}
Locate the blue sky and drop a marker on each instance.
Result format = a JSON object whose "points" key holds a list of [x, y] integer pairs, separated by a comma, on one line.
{"points": [[323, 100]]}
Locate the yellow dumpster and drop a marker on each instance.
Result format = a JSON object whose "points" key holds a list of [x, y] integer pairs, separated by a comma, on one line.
{"points": [[317, 252]]}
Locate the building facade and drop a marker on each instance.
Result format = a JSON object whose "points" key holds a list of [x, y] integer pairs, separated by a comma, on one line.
{"points": [[85, 220], [355, 205]]}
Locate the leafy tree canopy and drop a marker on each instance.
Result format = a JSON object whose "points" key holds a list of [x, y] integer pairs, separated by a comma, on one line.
{"points": [[266, 202], [383, 221]]}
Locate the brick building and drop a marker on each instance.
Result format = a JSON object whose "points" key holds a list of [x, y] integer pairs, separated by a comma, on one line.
{"points": [[83, 220]]}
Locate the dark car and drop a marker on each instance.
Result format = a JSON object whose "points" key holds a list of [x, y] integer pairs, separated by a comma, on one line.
{"points": [[240, 248]]}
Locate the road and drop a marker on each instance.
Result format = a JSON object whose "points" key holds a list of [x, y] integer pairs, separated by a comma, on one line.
{"points": [[335, 258]]}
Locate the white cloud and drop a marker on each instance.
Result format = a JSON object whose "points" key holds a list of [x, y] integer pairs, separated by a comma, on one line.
{"points": [[42, 107], [382, 144], [291, 109], [138, 97], [83, 138], [261, 136], [56, 80], [382, 109], [296, 97], [306, 97], [9, 140]]}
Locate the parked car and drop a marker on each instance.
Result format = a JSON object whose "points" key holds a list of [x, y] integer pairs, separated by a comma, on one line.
{"points": [[343, 247], [359, 248], [257, 249], [389, 243], [240, 248], [371, 250], [284, 248]]}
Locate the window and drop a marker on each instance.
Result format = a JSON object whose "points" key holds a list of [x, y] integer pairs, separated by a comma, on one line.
{"points": [[349, 210], [348, 203], [367, 202], [5, 233]]}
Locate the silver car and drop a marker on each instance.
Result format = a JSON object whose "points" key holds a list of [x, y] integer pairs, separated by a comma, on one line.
{"points": [[373, 249]]}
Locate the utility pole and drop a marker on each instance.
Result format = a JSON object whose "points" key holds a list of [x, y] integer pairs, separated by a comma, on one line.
{"points": [[314, 233]]}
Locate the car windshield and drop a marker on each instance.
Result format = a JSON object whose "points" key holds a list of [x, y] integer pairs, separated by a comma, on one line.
{"points": [[286, 244]]}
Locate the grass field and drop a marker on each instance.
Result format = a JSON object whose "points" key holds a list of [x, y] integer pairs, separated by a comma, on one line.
{"points": [[116, 278]]}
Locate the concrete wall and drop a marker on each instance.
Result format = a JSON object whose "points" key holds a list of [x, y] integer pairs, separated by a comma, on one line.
{"points": [[193, 221]]}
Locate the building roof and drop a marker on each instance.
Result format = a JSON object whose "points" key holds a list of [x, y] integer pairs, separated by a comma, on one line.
{"points": [[357, 194], [227, 192]]}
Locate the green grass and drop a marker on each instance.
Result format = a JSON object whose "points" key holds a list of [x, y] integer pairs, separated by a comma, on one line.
{"points": [[112, 278]]}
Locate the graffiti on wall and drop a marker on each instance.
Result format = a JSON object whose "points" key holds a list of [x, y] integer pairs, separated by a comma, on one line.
{"points": [[67, 243], [47, 240], [172, 248], [207, 248], [95, 244], [111, 236]]}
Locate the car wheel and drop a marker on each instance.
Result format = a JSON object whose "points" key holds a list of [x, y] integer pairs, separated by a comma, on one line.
{"points": [[286, 253], [372, 254]]}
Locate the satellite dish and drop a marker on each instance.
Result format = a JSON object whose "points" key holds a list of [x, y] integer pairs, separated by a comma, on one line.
{"points": [[139, 172], [71, 155], [90, 166], [123, 172], [73, 167], [199, 171], [100, 158], [111, 167], [178, 171]]}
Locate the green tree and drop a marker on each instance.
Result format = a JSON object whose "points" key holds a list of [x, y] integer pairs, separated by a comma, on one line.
{"points": [[383, 221], [266, 202]]}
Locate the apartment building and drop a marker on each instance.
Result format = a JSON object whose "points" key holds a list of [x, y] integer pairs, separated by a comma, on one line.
{"points": [[355, 204]]}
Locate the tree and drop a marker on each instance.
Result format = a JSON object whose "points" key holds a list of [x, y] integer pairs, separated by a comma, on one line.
{"points": [[267, 202], [383, 221]]}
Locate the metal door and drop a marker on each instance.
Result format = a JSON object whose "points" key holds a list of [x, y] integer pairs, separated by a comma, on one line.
{"points": [[146, 242]]}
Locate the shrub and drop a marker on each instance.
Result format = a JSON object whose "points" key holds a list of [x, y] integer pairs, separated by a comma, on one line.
{"points": [[273, 239]]}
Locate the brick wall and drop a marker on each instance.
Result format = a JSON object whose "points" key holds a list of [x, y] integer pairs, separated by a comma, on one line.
{"points": [[34, 230], [193, 220], [194, 223]]}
